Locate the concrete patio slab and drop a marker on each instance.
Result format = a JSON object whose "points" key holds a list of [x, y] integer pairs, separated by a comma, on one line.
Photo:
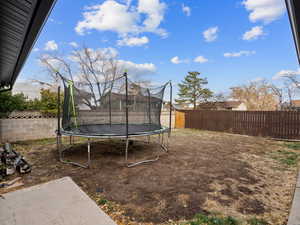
{"points": [[59, 202], [294, 217]]}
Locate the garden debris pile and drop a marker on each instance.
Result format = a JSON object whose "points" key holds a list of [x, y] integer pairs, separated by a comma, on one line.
{"points": [[11, 162]]}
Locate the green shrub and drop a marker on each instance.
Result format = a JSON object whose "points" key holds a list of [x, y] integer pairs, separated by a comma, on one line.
{"points": [[10, 102]]}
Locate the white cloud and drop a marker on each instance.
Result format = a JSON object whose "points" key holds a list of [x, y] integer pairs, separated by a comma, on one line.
{"points": [[124, 18], [106, 53], [238, 54], [286, 73], [73, 44], [155, 10], [135, 70], [54, 21], [51, 46], [176, 60], [200, 59], [254, 33], [264, 10], [211, 34], [35, 49], [186, 10], [257, 79], [133, 41], [110, 15], [56, 64]]}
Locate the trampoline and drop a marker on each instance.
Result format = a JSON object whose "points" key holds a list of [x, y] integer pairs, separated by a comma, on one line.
{"points": [[113, 108]]}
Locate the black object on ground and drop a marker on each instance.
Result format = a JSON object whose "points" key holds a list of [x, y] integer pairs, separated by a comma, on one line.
{"points": [[11, 161]]}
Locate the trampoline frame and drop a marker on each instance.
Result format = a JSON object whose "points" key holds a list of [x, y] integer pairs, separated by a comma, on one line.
{"points": [[164, 143]]}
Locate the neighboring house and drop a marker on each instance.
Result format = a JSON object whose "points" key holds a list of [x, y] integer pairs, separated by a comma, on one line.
{"points": [[30, 89], [183, 106], [166, 106], [135, 101], [294, 105], [224, 105]]}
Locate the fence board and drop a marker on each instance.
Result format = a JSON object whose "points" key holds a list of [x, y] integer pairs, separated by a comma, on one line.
{"points": [[276, 124]]}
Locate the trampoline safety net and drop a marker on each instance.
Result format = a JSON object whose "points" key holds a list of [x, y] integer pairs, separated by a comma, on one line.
{"points": [[118, 107]]}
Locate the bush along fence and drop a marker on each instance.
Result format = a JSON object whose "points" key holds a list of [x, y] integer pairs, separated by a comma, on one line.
{"points": [[274, 124], [30, 125]]}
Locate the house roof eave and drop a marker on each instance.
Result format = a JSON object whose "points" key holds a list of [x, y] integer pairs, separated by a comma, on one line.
{"points": [[293, 8]]}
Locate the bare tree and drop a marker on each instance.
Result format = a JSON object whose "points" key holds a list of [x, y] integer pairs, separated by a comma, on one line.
{"points": [[93, 70], [256, 96], [53, 64], [290, 90], [279, 92], [292, 79], [219, 97]]}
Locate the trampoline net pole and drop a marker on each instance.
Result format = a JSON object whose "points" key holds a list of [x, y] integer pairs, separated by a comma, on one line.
{"points": [[171, 108], [149, 106], [110, 107], [126, 96], [58, 133], [58, 111]]}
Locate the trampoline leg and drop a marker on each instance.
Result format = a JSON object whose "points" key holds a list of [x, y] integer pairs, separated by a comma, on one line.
{"points": [[126, 150], [148, 139], [61, 154], [164, 146], [139, 162], [89, 154], [58, 144]]}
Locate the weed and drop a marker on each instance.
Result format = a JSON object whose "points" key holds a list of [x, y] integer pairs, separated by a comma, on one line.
{"points": [[255, 221], [102, 201]]}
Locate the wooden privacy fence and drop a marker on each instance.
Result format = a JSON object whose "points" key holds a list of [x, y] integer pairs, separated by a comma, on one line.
{"points": [[275, 124]]}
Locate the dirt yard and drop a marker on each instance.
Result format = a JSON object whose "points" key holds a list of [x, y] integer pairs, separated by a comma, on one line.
{"points": [[204, 172]]}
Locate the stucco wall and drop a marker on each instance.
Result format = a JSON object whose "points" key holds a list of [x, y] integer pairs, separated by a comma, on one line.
{"points": [[36, 128], [27, 129]]}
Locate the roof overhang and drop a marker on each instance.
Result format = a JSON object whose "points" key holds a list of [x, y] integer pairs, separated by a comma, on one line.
{"points": [[20, 24], [293, 7]]}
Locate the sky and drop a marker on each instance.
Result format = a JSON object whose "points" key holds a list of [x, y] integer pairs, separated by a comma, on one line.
{"points": [[229, 42]]}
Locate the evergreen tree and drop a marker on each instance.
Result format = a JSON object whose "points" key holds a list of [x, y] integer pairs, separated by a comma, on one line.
{"points": [[191, 89]]}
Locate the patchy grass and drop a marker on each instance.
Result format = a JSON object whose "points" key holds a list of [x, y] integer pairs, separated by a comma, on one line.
{"points": [[36, 142], [47, 141], [293, 145], [201, 219], [256, 221], [287, 158], [214, 219]]}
